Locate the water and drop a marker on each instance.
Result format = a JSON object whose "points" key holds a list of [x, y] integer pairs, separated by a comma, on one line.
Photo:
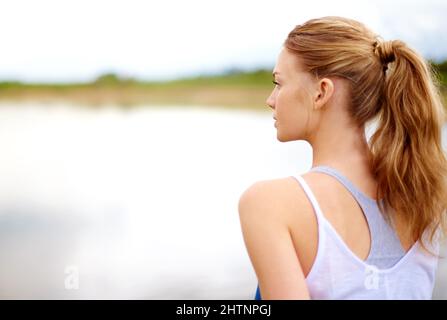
{"points": [[133, 204]]}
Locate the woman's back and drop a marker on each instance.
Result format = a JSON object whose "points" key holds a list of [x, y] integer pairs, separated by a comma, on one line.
{"points": [[346, 248]]}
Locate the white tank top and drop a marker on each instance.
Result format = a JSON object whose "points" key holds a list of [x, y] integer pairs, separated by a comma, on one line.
{"points": [[337, 273]]}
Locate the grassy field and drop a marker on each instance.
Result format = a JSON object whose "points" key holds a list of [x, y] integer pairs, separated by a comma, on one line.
{"points": [[232, 89], [237, 90]]}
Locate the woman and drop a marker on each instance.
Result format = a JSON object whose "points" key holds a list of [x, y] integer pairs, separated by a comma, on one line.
{"points": [[365, 222]]}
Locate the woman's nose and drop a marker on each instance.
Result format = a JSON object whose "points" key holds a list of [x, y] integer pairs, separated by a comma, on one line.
{"points": [[270, 102]]}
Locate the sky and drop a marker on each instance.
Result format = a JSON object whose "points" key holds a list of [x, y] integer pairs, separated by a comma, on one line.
{"points": [[66, 40]]}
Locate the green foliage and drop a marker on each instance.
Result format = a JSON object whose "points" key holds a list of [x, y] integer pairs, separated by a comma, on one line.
{"points": [[230, 77], [113, 79], [227, 78], [442, 67], [10, 84], [440, 70]]}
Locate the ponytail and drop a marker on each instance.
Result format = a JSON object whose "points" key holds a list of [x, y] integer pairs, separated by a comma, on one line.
{"points": [[406, 150]]}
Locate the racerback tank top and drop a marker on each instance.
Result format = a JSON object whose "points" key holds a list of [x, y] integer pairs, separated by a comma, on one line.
{"points": [[388, 272]]}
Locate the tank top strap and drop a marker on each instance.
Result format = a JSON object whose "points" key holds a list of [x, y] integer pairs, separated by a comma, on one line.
{"points": [[359, 195], [313, 200]]}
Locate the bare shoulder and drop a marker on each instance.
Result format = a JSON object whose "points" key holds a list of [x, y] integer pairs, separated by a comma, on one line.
{"points": [[280, 209], [265, 208], [282, 198]]}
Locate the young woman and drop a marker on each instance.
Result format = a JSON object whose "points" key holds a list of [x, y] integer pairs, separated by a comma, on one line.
{"points": [[366, 221]]}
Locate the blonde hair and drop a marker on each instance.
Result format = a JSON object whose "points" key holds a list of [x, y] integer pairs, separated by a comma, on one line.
{"points": [[393, 84]]}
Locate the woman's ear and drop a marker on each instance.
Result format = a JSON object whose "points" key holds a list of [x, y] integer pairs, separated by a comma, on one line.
{"points": [[325, 90]]}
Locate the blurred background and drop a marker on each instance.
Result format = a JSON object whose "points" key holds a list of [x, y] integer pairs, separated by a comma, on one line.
{"points": [[129, 130]]}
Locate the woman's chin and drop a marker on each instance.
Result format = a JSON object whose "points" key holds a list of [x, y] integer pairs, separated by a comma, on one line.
{"points": [[280, 138]]}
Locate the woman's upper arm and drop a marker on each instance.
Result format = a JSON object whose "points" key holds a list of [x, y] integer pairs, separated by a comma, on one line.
{"points": [[269, 243]]}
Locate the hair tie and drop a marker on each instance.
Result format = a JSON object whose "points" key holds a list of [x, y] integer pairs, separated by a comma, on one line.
{"points": [[385, 52]]}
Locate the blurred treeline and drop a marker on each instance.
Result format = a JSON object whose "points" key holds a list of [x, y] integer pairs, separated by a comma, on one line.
{"points": [[231, 88]]}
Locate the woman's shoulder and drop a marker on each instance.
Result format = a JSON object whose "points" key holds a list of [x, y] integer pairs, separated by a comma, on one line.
{"points": [[281, 204], [281, 197]]}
